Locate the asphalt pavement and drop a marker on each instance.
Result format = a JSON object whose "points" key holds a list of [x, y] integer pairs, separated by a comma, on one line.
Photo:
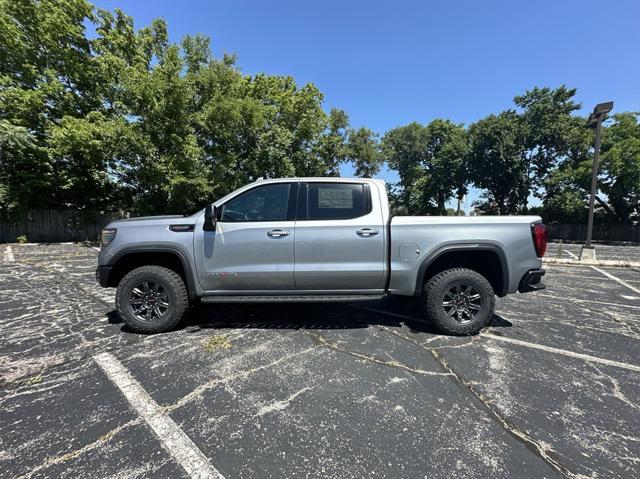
{"points": [[627, 253], [550, 389]]}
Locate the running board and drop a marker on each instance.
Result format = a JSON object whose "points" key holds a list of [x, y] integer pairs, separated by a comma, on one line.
{"points": [[306, 298]]}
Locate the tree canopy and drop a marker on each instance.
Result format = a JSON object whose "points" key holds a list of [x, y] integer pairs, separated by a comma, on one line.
{"points": [[430, 161], [128, 119], [98, 115]]}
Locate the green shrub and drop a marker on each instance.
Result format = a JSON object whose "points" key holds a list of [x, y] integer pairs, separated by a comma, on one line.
{"points": [[22, 239]]}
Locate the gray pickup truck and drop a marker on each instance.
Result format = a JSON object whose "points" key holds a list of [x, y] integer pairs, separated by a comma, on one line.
{"points": [[318, 239]]}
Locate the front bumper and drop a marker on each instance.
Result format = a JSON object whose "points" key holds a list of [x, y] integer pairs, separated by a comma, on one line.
{"points": [[532, 281], [102, 275]]}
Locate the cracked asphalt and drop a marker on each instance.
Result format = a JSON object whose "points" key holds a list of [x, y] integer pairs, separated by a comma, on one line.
{"points": [[551, 389]]}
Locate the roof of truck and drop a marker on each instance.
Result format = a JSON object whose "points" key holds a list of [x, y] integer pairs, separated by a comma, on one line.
{"points": [[380, 183], [320, 178]]}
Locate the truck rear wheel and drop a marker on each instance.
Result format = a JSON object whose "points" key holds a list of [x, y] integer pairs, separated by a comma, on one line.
{"points": [[152, 299], [458, 301]]}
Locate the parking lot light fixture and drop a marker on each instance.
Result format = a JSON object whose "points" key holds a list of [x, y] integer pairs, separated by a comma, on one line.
{"points": [[587, 252]]}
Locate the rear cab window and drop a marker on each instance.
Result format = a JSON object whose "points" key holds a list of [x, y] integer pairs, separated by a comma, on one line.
{"points": [[334, 201]]}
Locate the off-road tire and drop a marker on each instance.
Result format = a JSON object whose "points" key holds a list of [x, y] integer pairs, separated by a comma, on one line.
{"points": [[174, 286], [433, 296]]}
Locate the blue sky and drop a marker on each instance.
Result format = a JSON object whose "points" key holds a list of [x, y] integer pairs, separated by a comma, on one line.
{"points": [[388, 63]]}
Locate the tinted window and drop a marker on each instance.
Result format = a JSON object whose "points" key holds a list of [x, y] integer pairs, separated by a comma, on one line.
{"points": [[263, 203], [334, 201]]}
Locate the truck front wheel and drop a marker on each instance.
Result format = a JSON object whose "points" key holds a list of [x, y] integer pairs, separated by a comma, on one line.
{"points": [[151, 299], [458, 301]]}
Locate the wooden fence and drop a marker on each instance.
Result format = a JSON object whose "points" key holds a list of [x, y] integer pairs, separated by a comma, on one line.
{"points": [[49, 226], [605, 233]]}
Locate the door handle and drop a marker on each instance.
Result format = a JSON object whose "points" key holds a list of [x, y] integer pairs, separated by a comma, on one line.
{"points": [[366, 232], [277, 233]]}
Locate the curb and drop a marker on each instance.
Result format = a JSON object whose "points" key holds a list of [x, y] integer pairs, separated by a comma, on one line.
{"points": [[606, 262]]}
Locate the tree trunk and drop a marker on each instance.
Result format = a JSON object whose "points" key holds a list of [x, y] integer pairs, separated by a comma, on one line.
{"points": [[501, 205], [441, 210], [608, 208]]}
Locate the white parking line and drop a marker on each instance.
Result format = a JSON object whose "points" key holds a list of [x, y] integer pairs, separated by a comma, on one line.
{"points": [[8, 255], [174, 439], [623, 283], [96, 248], [606, 303], [564, 352], [574, 255], [542, 347]]}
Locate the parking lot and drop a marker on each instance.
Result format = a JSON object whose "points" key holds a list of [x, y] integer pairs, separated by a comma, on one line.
{"points": [[603, 252], [551, 389]]}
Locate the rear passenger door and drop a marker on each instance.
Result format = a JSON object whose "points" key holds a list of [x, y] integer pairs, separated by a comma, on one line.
{"points": [[339, 243]]}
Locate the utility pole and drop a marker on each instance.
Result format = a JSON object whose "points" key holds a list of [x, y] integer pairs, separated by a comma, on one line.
{"points": [[588, 252]]}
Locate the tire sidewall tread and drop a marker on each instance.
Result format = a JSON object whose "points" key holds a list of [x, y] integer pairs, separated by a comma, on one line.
{"points": [[434, 289], [177, 293]]}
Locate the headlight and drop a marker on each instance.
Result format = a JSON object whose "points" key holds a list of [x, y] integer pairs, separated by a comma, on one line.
{"points": [[107, 236]]}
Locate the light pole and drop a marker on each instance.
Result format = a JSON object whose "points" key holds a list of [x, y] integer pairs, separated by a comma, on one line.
{"points": [[588, 252]]}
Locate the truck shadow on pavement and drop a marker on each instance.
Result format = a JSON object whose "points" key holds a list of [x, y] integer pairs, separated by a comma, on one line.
{"points": [[312, 316]]}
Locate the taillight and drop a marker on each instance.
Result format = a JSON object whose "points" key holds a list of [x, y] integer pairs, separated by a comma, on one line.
{"points": [[539, 233]]}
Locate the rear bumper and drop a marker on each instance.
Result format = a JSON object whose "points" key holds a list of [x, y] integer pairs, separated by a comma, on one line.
{"points": [[102, 275], [532, 281]]}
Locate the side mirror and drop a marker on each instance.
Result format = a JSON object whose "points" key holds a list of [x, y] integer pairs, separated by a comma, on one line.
{"points": [[209, 218]]}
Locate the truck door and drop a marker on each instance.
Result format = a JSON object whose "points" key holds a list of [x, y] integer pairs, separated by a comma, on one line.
{"points": [[252, 246], [340, 238]]}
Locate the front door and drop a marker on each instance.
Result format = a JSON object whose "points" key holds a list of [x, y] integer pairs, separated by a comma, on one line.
{"points": [[252, 246]]}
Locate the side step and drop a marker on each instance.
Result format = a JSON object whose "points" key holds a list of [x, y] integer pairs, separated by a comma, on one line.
{"points": [[306, 298]]}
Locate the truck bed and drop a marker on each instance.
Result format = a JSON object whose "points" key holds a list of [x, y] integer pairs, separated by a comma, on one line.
{"points": [[420, 239]]}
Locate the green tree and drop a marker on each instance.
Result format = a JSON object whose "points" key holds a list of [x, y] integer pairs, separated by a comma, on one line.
{"points": [[46, 72], [431, 164], [621, 166], [448, 150], [495, 162], [331, 146], [363, 150], [548, 129], [403, 148], [514, 153], [128, 119], [568, 187], [17, 180]]}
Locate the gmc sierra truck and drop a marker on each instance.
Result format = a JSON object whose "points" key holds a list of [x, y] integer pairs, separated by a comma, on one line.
{"points": [[318, 239]]}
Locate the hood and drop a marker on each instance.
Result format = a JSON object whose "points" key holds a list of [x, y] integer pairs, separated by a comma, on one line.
{"points": [[149, 218], [151, 221]]}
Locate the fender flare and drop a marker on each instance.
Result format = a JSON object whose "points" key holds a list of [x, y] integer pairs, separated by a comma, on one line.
{"points": [[176, 250], [456, 246]]}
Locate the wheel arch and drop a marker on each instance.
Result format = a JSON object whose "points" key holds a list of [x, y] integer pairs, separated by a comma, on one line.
{"points": [[486, 258], [168, 256]]}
